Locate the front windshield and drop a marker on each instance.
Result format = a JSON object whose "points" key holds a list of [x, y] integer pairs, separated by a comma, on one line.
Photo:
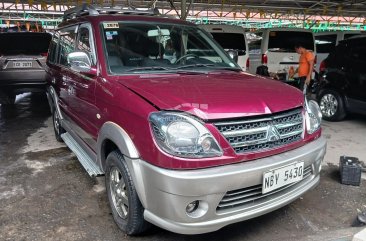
{"points": [[145, 47]]}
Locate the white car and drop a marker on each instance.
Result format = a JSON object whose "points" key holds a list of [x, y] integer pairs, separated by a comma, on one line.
{"points": [[274, 48], [231, 37]]}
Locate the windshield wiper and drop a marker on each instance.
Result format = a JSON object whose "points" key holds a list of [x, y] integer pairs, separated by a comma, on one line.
{"points": [[194, 65], [230, 68], [209, 65], [148, 68]]}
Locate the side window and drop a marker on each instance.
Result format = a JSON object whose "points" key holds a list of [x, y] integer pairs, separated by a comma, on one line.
{"points": [[341, 54], [230, 40], [85, 44], [53, 48], [66, 44], [325, 43], [254, 42], [349, 35], [358, 53]]}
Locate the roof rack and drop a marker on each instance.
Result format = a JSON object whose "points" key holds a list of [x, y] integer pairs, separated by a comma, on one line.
{"points": [[94, 10]]}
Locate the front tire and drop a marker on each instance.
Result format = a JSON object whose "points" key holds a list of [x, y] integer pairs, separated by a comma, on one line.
{"points": [[57, 126], [332, 105], [126, 207]]}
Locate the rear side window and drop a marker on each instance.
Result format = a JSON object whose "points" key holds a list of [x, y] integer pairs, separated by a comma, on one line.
{"points": [[66, 44], [230, 40], [325, 43], [284, 41]]}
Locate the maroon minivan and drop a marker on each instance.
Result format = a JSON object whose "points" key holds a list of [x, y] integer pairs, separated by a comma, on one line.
{"points": [[186, 140]]}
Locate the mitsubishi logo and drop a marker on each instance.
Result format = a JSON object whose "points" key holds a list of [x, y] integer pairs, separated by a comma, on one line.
{"points": [[273, 134]]}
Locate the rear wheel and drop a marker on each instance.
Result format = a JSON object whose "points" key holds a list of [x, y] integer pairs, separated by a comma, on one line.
{"points": [[57, 126], [332, 106], [126, 207]]}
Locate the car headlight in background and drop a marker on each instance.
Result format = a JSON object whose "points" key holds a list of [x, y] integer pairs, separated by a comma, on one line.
{"points": [[313, 116], [181, 135]]}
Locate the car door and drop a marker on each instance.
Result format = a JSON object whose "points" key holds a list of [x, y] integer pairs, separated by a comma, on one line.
{"points": [[356, 75], [82, 99], [60, 70]]}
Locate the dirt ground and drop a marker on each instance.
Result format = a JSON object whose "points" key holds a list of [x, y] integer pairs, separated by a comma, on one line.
{"points": [[45, 194]]}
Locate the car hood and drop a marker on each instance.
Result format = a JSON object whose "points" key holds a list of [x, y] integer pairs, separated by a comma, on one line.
{"points": [[215, 95]]}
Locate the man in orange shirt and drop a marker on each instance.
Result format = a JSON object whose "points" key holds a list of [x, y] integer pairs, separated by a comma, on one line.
{"points": [[306, 65]]}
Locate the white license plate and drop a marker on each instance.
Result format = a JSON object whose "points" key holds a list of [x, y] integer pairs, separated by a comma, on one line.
{"points": [[282, 176], [22, 64]]}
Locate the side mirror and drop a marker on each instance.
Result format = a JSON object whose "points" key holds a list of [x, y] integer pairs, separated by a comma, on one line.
{"points": [[233, 54], [80, 62], [241, 52]]}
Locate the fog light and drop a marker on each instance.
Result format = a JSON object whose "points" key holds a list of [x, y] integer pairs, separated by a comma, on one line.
{"points": [[192, 206]]}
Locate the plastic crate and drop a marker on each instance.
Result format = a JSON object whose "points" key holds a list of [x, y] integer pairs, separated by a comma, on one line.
{"points": [[350, 170]]}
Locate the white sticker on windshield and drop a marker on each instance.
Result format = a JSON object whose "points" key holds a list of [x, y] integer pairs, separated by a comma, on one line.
{"points": [[111, 33], [111, 25]]}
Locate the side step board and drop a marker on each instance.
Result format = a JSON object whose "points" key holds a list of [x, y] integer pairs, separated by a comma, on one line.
{"points": [[83, 157]]}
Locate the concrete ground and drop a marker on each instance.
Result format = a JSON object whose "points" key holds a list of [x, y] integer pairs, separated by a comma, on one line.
{"points": [[46, 195]]}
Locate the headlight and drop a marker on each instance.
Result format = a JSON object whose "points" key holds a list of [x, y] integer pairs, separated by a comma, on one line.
{"points": [[183, 136], [313, 116]]}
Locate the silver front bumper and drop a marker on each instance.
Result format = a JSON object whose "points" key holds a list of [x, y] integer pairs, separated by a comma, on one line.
{"points": [[166, 193]]}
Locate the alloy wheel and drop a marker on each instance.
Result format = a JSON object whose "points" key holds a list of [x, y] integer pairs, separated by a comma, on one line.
{"points": [[328, 105], [118, 192], [56, 121]]}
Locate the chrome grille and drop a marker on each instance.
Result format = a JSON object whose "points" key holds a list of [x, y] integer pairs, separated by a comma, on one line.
{"points": [[255, 135], [253, 195]]}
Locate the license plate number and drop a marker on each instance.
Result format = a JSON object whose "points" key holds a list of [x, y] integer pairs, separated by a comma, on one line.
{"points": [[282, 176], [22, 64]]}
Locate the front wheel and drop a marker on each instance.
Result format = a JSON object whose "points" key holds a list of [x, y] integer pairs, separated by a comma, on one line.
{"points": [[126, 207], [332, 106]]}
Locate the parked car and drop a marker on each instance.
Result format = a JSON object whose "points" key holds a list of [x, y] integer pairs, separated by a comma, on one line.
{"points": [[326, 42], [190, 143], [343, 80], [274, 48], [231, 38], [22, 61]]}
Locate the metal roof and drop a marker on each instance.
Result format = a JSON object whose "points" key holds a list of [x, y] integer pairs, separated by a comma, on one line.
{"points": [[310, 7], [348, 11]]}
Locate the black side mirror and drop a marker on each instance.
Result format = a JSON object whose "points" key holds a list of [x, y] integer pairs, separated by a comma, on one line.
{"points": [[241, 52]]}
